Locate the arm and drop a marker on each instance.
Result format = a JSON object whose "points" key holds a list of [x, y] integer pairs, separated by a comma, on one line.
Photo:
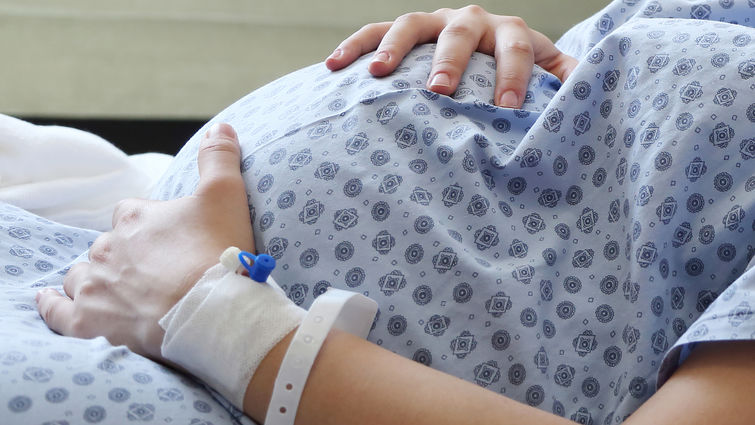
{"points": [[354, 381], [459, 32], [714, 385]]}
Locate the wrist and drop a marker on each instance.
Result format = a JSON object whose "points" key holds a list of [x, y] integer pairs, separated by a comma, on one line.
{"points": [[225, 326], [334, 311], [260, 389]]}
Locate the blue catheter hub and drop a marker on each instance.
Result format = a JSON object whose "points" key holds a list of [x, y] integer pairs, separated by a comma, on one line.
{"points": [[258, 266]]}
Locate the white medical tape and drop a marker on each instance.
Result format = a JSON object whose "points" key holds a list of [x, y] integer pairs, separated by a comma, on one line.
{"points": [[224, 326]]}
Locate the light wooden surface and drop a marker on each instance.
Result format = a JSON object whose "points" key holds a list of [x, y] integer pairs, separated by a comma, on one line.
{"points": [[190, 58]]}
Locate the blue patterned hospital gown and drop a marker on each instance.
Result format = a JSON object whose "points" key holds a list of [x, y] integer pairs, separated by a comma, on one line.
{"points": [[566, 255]]}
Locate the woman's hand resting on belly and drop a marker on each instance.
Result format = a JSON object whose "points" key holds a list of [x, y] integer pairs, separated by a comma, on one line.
{"points": [[154, 255], [458, 32]]}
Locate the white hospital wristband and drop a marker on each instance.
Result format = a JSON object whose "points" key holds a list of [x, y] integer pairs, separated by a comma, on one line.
{"points": [[344, 310]]}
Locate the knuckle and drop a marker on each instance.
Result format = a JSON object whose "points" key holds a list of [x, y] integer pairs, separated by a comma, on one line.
{"points": [[100, 249], [224, 185], [72, 276], [219, 144], [131, 215], [448, 63], [85, 290], [474, 10], [78, 326], [89, 288], [514, 21], [517, 47], [443, 11], [368, 27], [127, 211], [47, 311], [513, 81], [412, 18], [371, 28], [120, 205], [74, 270], [459, 29]]}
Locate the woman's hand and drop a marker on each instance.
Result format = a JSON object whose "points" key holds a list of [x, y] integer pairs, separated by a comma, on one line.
{"points": [[156, 252], [458, 33]]}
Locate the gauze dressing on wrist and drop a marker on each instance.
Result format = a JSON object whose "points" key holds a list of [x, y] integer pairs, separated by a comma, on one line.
{"points": [[224, 326]]}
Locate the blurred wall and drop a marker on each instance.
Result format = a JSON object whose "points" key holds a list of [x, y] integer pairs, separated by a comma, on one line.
{"points": [[174, 59]]}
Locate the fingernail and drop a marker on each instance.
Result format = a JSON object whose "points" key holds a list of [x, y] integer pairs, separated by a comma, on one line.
{"points": [[336, 54], [509, 99], [440, 80], [221, 130], [381, 57]]}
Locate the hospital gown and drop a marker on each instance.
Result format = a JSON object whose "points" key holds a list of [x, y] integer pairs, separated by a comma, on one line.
{"points": [[567, 255]]}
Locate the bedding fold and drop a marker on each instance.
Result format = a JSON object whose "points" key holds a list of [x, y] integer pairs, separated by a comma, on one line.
{"points": [[68, 175]]}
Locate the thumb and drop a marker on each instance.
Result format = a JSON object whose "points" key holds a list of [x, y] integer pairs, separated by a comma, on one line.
{"points": [[219, 160]]}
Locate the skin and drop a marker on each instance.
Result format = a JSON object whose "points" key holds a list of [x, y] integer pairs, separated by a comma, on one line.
{"points": [[458, 33], [150, 244], [129, 284]]}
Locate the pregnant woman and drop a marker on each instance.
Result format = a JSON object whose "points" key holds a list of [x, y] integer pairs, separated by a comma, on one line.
{"points": [[579, 253]]}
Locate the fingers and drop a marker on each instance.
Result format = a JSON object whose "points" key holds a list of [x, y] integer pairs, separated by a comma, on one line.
{"points": [[363, 41], [406, 32], [456, 43], [221, 188], [515, 56], [566, 67], [56, 310], [75, 278], [459, 33], [219, 161], [101, 248], [550, 58]]}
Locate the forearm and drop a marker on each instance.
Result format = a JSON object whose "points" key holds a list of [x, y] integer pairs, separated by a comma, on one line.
{"points": [[355, 381]]}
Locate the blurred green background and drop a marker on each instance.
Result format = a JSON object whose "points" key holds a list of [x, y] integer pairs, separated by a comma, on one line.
{"points": [[185, 60]]}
